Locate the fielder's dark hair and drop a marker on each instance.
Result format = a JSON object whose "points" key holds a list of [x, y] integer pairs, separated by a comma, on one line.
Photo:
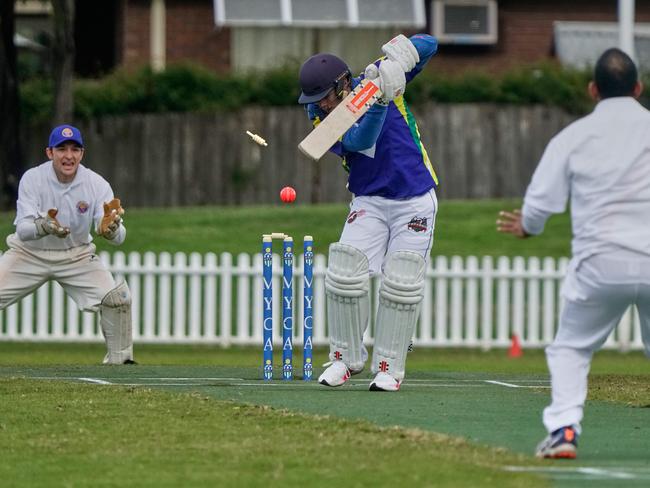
{"points": [[615, 74]]}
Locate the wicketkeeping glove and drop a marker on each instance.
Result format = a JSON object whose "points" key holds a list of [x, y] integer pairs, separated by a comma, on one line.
{"points": [[111, 220], [401, 50], [48, 224], [390, 77]]}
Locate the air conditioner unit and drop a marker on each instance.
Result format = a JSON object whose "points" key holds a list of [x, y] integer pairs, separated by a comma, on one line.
{"points": [[465, 21]]}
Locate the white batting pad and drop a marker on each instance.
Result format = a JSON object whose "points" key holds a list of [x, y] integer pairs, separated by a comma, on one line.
{"points": [[346, 286], [116, 324], [400, 295]]}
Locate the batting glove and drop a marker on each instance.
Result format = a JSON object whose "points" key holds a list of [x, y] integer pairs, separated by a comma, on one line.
{"points": [[390, 77], [47, 224], [402, 51]]}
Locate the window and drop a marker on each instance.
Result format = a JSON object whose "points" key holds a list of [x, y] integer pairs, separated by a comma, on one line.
{"points": [[320, 13]]}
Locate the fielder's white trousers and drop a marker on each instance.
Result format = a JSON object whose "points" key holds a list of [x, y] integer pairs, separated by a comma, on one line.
{"points": [[596, 295], [78, 270], [379, 226]]}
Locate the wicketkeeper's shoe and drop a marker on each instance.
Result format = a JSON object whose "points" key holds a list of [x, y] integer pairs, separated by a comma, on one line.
{"points": [[559, 444], [384, 382], [335, 375]]}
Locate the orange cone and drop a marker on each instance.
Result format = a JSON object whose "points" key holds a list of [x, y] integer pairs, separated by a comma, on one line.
{"points": [[515, 347]]}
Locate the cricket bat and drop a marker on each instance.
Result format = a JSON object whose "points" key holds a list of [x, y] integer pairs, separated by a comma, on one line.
{"points": [[339, 120]]}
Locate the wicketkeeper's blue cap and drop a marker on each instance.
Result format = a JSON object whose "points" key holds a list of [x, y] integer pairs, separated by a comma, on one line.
{"points": [[65, 133]]}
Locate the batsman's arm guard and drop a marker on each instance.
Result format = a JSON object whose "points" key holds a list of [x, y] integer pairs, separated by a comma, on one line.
{"points": [[115, 322], [400, 295], [346, 286]]}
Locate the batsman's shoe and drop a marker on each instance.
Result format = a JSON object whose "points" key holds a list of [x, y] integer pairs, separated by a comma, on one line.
{"points": [[384, 382], [335, 375], [364, 358], [559, 444]]}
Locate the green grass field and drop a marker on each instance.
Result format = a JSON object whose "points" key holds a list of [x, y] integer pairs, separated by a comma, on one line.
{"points": [[200, 416], [197, 416], [462, 228]]}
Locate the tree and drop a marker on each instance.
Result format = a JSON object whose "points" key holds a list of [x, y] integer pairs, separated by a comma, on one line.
{"points": [[63, 60], [11, 163]]}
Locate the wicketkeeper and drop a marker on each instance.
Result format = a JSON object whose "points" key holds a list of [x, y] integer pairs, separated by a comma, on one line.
{"points": [[59, 202], [390, 226]]}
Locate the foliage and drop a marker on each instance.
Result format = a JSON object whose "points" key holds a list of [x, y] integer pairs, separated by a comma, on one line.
{"points": [[186, 87]]}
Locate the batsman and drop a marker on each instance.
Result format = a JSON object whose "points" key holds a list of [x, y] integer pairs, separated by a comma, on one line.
{"points": [[59, 202], [389, 230]]}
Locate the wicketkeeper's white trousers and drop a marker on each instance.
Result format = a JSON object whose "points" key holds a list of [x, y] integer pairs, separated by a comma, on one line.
{"points": [[596, 295], [78, 270]]}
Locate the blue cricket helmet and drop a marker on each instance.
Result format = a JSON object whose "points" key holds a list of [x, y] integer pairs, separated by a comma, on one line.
{"points": [[319, 74]]}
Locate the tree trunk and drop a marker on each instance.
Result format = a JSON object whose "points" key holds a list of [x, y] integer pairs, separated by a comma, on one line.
{"points": [[11, 164], [63, 60]]}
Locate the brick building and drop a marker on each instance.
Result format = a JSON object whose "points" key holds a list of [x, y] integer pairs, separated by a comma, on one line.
{"points": [[132, 33]]}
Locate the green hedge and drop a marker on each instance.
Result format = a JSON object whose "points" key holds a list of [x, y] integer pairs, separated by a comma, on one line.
{"points": [[185, 88]]}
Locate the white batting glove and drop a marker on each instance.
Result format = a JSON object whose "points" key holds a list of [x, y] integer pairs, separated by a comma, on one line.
{"points": [[390, 77], [401, 50], [48, 224]]}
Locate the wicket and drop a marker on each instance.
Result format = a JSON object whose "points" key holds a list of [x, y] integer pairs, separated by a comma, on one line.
{"points": [[287, 305]]}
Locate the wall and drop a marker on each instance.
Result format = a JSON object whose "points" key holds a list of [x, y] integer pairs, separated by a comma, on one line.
{"points": [[525, 35], [479, 151], [191, 34]]}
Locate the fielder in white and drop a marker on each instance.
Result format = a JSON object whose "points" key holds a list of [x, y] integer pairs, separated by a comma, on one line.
{"points": [[389, 230], [59, 202], [602, 164]]}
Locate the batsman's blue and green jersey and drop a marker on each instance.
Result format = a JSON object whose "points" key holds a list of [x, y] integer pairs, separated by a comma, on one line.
{"points": [[394, 163]]}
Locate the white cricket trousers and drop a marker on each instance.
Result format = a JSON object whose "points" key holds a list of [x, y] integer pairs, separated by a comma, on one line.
{"points": [[596, 295], [78, 270], [379, 226]]}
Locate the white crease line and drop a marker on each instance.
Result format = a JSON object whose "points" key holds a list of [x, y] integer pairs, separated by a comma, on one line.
{"points": [[96, 381], [196, 378], [592, 473], [162, 384], [509, 385]]}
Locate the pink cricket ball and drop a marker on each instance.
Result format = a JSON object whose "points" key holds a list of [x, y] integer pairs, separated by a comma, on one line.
{"points": [[287, 194]]}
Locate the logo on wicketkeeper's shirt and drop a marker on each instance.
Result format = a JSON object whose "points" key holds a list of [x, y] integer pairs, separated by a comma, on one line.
{"points": [[354, 214], [82, 207], [418, 224]]}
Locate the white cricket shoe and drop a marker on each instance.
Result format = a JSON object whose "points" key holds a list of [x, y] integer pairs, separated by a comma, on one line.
{"points": [[364, 358], [335, 375], [384, 382]]}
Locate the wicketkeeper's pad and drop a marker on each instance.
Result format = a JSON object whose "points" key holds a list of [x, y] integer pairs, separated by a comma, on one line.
{"points": [[115, 322]]}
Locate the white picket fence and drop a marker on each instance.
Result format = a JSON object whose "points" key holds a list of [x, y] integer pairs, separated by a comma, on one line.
{"points": [[202, 298]]}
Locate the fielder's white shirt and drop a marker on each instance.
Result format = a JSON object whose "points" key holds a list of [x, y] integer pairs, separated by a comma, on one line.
{"points": [[602, 163], [80, 204]]}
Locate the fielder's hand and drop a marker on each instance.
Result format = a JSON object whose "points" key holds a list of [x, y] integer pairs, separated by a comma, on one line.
{"points": [[401, 50], [48, 224], [510, 223], [111, 220], [390, 77]]}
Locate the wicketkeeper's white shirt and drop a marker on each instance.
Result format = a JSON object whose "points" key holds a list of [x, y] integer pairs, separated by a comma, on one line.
{"points": [[602, 163], [80, 204]]}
